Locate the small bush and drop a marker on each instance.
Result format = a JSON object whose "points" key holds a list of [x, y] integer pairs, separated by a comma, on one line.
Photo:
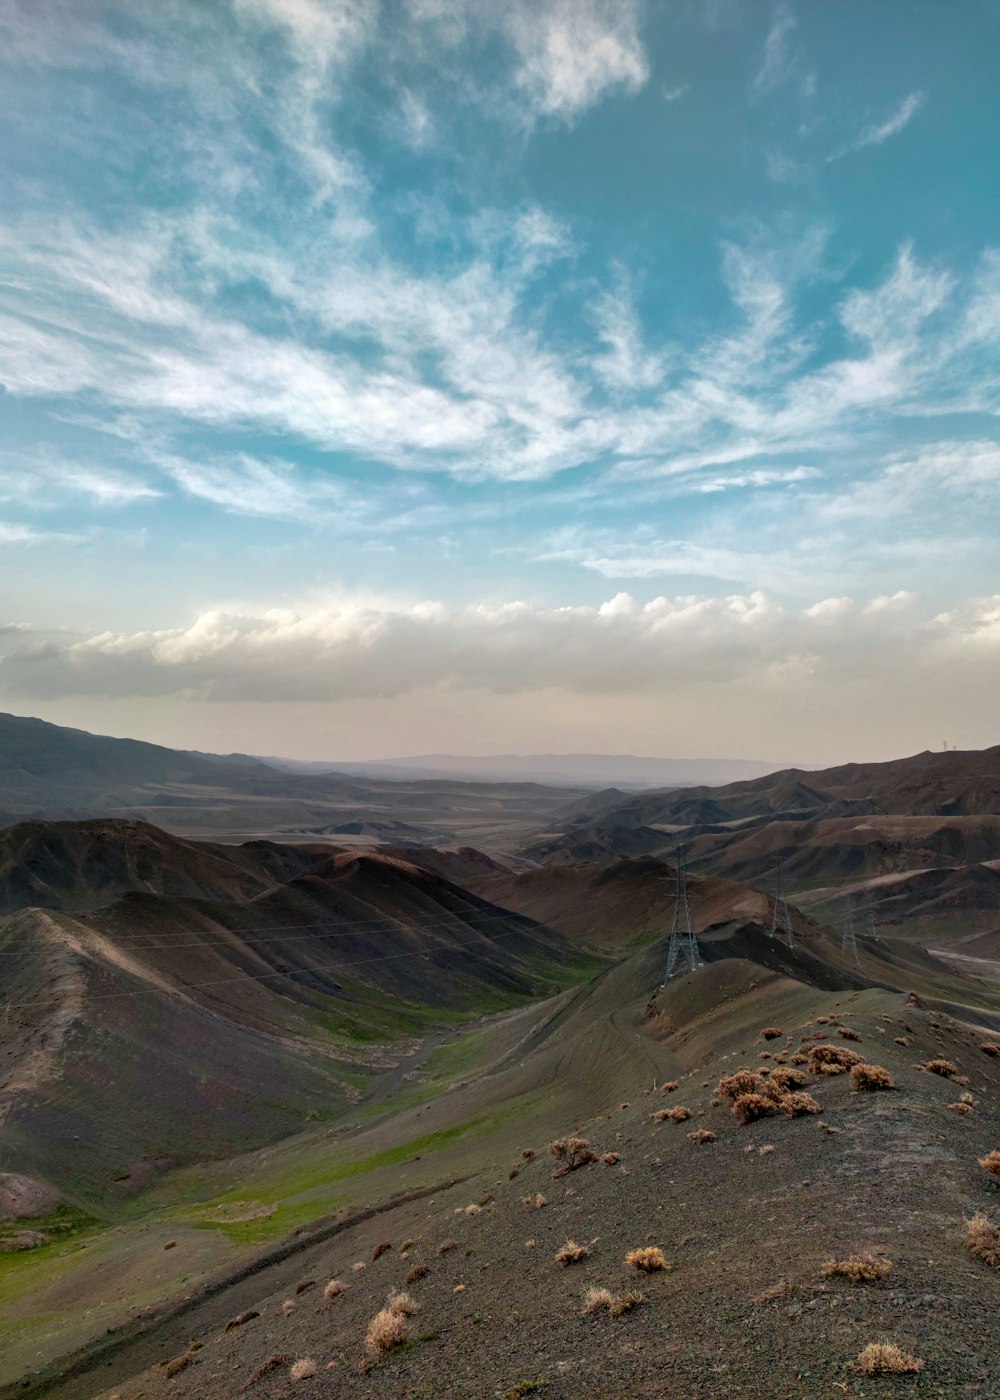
{"points": [[744, 1081], [771, 1033], [473, 1209], [991, 1047], [701, 1135], [766, 1150], [799, 1103], [447, 1246], [386, 1330], [571, 1153], [991, 1163], [402, 1303], [798, 1058], [241, 1318], [610, 1158], [848, 1033], [273, 1363], [959, 1107], [304, 1286], [832, 1059], [670, 1086], [333, 1290], [660, 1115], [380, 1249], [571, 1253], [540, 1201], [616, 1304], [787, 1079], [648, 1260], [302, 1370], [859, 1268], [288, 1307], [883, 1358], [903, 1040], [528, 1153], [867, 1078], [943, 1067], [983, 1239], [178, 1364], [678, 1114], [417, 1272], [749, 1107]]}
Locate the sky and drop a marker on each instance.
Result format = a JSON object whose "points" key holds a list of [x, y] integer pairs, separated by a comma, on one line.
{"points": [[381, 377]]}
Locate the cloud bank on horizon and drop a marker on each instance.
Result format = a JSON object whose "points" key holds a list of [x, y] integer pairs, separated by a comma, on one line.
{"points": [[565, 356]]}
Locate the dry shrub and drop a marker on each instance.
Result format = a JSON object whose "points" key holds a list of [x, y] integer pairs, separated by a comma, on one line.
{"points": [[669, 1087], [540, 1201], [788, 1079], [402, 1303], [597, 1299], [884, 1358], [903, 1040], [528, 1153], [660, 1115], [386, 1330], [959, 1107], [302, 1370], [678, 1114], [943, 1067], [749, 1107], [241, 1318], [848, 1033], [867, 1078], [304, 1286], [571, 1253], [359, 1266], [701, 1135], [418, 1271], [766, 1150], [288, 1307], [744, 1081], [274, 1362], [380, 1249], [991, 1163], [172, 1368], [446, 1246], [832, 1059], [962, 1080], [859, 1268], [333, 1290], [771, 1033], [610, 1158], [824, 1020], [983, 1239], [648, 1260], [797, 1104], [473, 1209], [798, 1058], [571, 1153], [990, 1047]]}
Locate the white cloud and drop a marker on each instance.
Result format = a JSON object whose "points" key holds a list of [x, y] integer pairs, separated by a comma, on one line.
{"points": [[352, 648], [776, 63], [877, 132], [572, 52]]}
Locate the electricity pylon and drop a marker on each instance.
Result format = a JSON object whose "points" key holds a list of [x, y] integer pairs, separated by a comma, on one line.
{"points": [[781, 920], [848, 939], [683, 947]]}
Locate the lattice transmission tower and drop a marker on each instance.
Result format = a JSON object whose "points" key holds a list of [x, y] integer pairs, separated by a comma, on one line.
{"points": [[781, 919], [682, 952], [848, 938]]}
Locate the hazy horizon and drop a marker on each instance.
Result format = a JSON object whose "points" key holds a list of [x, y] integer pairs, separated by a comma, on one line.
{"points": [[415, 376]]}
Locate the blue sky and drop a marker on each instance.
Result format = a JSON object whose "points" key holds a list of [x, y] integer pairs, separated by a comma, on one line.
{"points": [[559, 374]]}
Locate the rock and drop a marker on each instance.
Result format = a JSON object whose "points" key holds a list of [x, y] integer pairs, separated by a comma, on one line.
{"points": [[25, 1239], [22, 1196]]}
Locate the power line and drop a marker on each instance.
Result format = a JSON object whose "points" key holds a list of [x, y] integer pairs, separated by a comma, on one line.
{"points": [[446, 947], [781, 920], [683, 945]]}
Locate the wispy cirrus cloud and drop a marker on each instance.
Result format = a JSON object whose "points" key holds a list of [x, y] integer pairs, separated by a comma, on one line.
{"points": [[876, 132]]}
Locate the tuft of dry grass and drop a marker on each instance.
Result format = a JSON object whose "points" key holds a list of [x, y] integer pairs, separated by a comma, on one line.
{"points": [[540, 1201], [417, 1272], [304, 1285], [359, 1266], [473, 1209], [903, 1040], [991, 1163], [528, 1153], [597, 1299], [648, 1260], [402, 1303], [669, 1087], [983, 1239], [302, 1370], [571, 1153], [991, 1047], [749, 1107], [859, 1268], [798, 1058], [380, 1249], [885, 1358], [459, 1288], [771, 1033], [799, 1103], [678, 1114], [571, 1253], [832, 1059], [610, 1159], [959, 1107], [701, 1135], [868, 1079], [766, 1150], [241, 1318], [943, 1067], [288, 1307], [333, 1290], [274, 1362], [446, 1246], [848, 1033], [387, 1329], [178, 1364]]}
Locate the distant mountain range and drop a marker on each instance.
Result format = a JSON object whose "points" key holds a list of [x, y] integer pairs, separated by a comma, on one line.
{"points": [[554, 769]]}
